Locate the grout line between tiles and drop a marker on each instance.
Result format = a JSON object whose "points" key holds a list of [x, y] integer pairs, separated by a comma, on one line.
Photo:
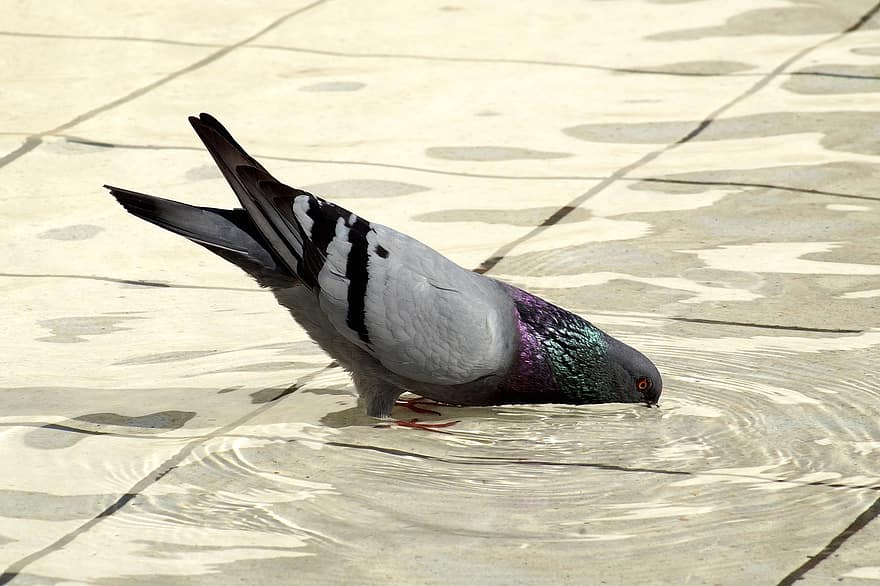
{"points": [[833, 74], [152, 478], [859, 523], [436, 58], [159, 285], [862, 21], [166, 285], [630, 70], [29, 144], [404, 56], [742, 324], [722, 183], [489, 461], [32, 35], [448, 459], [491, 60], [634, 179]]}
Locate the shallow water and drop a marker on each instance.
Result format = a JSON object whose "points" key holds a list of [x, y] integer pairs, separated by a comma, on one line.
{"points": [[163, 421], [755, 453]]}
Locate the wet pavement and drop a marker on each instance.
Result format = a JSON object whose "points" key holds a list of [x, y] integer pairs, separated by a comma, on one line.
{"points": [[698, 178]]}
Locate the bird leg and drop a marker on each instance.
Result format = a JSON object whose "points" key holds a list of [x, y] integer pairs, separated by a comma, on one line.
{"points": [[378, 395]]}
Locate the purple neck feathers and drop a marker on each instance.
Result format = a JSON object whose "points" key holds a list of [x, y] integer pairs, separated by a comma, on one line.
{"points": [[531, 372]]}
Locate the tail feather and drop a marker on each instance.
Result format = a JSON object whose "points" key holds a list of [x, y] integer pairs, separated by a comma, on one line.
{"points": [[231, 158], [230, 234]]}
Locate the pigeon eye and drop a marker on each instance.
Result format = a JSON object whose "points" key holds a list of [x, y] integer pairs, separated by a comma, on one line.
{"points": [[643, 384]]}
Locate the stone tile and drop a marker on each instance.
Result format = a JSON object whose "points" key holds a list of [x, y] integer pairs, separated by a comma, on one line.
{"points": [[77, 76]]}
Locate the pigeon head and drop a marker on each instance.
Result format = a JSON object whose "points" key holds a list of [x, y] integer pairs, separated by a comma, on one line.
{"points": [[589, 366], [585, 364], [630, 375]]}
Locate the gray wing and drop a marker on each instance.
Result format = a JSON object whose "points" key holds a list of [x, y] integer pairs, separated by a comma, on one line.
{"points": [[420, 315]]}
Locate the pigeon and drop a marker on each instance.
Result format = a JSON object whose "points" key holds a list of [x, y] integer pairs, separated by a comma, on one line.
{"points": [[395, 313]]}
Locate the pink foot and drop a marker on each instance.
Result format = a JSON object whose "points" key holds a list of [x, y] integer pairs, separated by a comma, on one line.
{"points": [[414, 405]]}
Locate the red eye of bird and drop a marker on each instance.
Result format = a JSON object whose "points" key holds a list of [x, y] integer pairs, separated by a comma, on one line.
{"points": [[643, 384]]}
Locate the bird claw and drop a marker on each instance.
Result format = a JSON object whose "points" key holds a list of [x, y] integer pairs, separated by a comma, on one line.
{"points": [[413, 405]]}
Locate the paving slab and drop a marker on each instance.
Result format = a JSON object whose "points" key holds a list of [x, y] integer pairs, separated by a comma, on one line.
{"points": [[696, 177]]}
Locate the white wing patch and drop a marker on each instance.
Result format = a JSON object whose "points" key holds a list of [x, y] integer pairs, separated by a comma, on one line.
{"points": [[300, 210]]}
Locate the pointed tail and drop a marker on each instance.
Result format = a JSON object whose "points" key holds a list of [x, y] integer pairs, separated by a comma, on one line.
{"points": [[245, 176], [230, 234]]}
